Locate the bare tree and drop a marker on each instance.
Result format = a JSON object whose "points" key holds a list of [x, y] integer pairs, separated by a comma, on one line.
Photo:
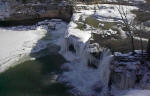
{"points": [[132, 26], [128, 24]]}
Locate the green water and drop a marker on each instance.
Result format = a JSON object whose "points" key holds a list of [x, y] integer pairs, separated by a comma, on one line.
{"points": [[34, 78]]}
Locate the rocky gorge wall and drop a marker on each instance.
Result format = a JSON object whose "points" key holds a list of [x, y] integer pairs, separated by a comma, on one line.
{"points": [[13, 12]]}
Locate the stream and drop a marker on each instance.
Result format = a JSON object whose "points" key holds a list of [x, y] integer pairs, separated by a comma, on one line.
{"points": [[34, 78]]}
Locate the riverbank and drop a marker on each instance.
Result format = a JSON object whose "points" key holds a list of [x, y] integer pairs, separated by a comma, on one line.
{"points": [[34, 78], [21, 42]]}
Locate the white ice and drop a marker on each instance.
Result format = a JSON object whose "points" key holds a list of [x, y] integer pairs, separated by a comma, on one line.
{"points": [[14, 44], [19, 42], [131, 92]]}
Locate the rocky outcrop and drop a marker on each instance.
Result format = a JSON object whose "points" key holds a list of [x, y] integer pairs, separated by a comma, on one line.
{"points": [[130, 71], [31, 12]]}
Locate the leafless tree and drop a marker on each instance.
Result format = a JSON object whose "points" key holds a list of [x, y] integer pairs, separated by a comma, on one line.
{"points": [[132, 26], [128, 24]]}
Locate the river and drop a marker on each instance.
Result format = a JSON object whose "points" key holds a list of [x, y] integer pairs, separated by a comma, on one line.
{"points": [[34, 78]]}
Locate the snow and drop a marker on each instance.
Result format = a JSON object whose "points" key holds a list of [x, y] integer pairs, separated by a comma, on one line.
{"points": [[108, 12], [130, 1], [105, 13], [16, 43], [131, 92], [137, 1], [138, 38], [19, 42], [83, 36], [84, 80]]}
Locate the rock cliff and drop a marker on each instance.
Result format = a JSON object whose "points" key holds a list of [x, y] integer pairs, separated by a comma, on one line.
{"points": [[30, 11]]}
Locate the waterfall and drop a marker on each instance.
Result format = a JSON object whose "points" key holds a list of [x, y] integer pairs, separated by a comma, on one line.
{"points": [[5, 9], [85, 80], [104, 67], [124, 81]]}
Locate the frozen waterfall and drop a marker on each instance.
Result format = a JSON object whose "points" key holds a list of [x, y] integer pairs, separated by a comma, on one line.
{"points": [[4, 9], [85, 80]]}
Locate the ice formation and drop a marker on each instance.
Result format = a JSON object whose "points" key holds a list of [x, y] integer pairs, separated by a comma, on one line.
{"points": [[85, 80], [130, 71], [18, 45], [21, 41], [4, 9]]}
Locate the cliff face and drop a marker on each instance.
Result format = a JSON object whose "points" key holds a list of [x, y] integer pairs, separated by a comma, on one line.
{"points": [[32, 11]]}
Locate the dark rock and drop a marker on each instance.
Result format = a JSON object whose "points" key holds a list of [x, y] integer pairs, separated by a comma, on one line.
{"points": [[148, 47], [31, 13], [71, 48], [96, 54], [92, 65]]}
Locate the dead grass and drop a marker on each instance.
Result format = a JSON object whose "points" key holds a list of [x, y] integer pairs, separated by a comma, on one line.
{"points": [[119, 45], [124, 45], [141, 16], [148, 1], [143, 34], [95, 23], [92, 21], [80, 26]]}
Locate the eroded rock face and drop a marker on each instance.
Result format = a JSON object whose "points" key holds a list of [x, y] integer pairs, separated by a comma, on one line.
{"points": [[130, 71], [31, 10]]}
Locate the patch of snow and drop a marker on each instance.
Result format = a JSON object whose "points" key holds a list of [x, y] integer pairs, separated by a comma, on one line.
{"points": [[131, 92], [143, 39], [130, 1], [108, 12], [83, 36]]}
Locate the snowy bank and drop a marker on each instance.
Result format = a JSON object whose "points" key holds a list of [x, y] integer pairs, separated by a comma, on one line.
{"points": [[17, 43]]}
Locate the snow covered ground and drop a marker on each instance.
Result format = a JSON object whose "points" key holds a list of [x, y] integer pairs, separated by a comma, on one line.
{"points": [[130, 1], [105, 12]]}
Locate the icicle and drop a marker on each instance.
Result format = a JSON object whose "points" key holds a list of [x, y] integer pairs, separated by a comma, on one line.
{"points": [[124, 80], [145, 82], [127, 81], [64, 45], [104, 65]]}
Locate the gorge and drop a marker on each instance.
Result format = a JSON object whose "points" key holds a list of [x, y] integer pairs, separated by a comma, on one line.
{"points": [[66, 51]]}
